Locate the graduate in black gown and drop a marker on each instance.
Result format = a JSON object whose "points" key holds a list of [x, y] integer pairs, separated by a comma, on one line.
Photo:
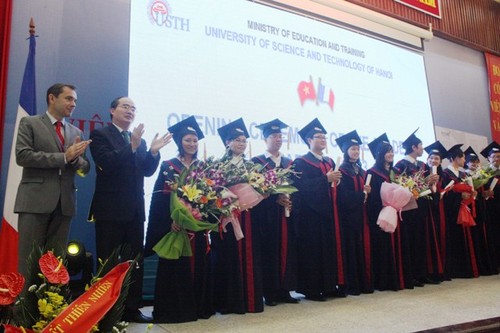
{"points": [[386, 247], [413, 228], [353, 194], [237, 262], [183, 290], [320, 256], [460, 261], [481, 233], [435, 225], [271, 216], [492, 153]]}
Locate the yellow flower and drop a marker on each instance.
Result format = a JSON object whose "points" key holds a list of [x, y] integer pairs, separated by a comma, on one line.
{"points": [[40, 325], [55, 298], [191, 192], [256, 178], [212, 195]]}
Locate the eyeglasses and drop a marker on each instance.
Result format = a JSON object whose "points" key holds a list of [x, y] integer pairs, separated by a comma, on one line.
{"points": [[240, 141], [276, 136], [127, 107], [319, 137]]}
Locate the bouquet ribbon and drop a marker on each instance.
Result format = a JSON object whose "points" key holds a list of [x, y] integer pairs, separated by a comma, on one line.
{"points": [[176, 244], [233, 219], [465, 214]]}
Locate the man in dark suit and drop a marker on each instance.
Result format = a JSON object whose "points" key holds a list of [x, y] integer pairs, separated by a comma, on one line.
{"points": [[51, 151], [122, 161]]}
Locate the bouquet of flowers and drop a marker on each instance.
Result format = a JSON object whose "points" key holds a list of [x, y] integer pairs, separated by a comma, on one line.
{"points": [[480, 176], [394, 198], [271, 181], [197, 194], [251, 181], [415, 184]]}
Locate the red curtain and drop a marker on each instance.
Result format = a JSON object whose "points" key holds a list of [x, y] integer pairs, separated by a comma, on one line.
{"points": [[6, 17]]}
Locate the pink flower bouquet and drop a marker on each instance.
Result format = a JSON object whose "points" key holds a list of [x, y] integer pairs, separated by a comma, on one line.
{"points": [[394, 198], [248, 197]]}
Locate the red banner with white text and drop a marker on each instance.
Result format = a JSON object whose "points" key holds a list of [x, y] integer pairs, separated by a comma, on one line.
{"points": [[493, 68], [431, 7]]}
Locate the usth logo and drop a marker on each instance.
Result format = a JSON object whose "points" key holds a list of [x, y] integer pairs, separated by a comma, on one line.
{"points": [[160, 14]]}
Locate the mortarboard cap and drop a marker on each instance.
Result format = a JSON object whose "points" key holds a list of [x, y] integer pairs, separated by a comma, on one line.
{"points": [[271, 127], [470, 155], [410, 141], [310, 129], [184, 127], [436, 148], [493, 147], [377, 143], [454, 151], [347, 140], [233, 130]]}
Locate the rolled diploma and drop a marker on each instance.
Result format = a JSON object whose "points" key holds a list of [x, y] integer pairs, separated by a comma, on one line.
{"points": [[434, 171]]}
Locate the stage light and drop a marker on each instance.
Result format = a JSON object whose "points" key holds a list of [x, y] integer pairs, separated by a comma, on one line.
{"points": [[75, 256], [80, 265]]}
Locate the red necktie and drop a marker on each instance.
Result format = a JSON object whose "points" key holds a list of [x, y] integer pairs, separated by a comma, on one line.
{"points": [[59, 126]]}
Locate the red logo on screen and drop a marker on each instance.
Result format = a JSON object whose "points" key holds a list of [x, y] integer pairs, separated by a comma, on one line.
{"points": [[321, 95], [158, 12]]}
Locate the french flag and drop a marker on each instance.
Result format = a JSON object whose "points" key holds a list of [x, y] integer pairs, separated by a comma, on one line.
{"points": [[27, 106], [325, 96]]}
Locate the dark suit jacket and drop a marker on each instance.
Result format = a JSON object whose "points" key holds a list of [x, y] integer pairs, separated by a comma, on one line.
{"points": [[46, 177], [119, 187]]}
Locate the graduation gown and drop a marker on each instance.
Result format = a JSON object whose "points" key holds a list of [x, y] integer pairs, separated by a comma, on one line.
{"points": [[435, 231], [238, 268], [277, 240], [493, 211], [355, 230], [320, 253], [460, 256], [386, 247], [483, 237], [413, 226], [183, 290]]}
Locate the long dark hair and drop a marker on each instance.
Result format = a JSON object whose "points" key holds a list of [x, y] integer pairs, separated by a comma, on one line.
{"points": [[382, 149]]}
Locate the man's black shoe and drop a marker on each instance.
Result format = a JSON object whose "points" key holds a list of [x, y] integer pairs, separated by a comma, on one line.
{"points": [[136, 317]]}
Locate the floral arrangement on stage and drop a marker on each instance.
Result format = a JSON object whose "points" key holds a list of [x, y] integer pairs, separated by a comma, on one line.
{"points": [[47, 305]]}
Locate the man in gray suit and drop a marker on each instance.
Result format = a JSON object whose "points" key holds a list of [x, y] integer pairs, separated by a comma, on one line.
{"points": [[51, 151]]}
